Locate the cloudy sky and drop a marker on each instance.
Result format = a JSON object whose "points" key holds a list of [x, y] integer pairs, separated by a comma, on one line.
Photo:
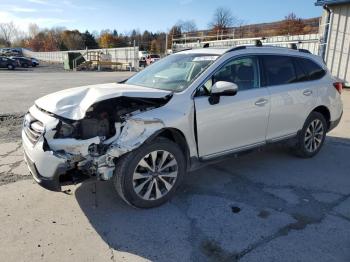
{"points": [[154, 15]]}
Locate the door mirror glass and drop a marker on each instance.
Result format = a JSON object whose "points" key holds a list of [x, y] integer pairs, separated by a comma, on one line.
{"points": [[223, 88]]}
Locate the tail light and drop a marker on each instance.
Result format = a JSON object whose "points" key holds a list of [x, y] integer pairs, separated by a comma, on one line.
{"points": [[338, 86]]}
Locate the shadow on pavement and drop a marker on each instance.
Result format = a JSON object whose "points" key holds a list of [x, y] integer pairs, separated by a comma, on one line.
{"points": [[204, 206]]}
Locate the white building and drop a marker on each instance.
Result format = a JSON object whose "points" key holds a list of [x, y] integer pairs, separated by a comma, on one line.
{"points": [[335, 37]]}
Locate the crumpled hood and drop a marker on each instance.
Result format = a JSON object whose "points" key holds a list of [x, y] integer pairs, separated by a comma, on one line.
{"points": [[74, 102]]}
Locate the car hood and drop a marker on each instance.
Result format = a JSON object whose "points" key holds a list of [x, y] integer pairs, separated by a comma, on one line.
{"points": [[74, 102]]}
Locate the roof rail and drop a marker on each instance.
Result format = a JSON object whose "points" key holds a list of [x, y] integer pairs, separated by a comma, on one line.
{"points": [[185, 49], [304, 51], [236, 48], [259, 43]]}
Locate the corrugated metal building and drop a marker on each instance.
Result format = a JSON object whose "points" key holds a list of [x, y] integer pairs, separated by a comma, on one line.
{"points": [[335, 37]]}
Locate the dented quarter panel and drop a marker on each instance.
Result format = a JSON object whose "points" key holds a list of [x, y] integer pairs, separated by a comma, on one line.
{"points": [[176, 114]]}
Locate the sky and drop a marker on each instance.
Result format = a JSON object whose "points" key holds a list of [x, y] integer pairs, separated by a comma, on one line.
{"points": [[152, 15]]}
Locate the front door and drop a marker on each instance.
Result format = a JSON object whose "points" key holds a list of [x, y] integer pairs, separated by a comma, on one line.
{"points": [[236, 122]]}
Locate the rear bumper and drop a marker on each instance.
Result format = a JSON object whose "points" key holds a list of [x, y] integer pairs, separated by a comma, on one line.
{"points": [[334, 124]]}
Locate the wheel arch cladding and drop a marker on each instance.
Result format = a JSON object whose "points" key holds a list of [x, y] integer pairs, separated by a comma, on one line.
{"points": [[177, 137], [325, 112]]}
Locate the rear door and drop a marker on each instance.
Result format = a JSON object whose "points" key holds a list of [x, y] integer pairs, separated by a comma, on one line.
{"points": [[290, 94]]}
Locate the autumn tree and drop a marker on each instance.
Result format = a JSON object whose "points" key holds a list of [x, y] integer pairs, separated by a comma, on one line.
{"points": [[107, 40], [72, 40], [291, 25], [154, 46], [174, 32]]}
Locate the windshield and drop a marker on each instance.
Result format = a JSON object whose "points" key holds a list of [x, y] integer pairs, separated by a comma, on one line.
{"points": [[174, 73]]}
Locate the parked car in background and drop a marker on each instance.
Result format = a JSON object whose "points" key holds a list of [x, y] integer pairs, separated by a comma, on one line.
{"points": [[8, 63], [152, 58], [10, 51], [143, 54], [23, 61], [142, 58], [35, 62], [142, 62]]}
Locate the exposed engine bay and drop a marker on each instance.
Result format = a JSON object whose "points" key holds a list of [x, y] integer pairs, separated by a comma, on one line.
{"points": [[100, 118], [106, 132]]}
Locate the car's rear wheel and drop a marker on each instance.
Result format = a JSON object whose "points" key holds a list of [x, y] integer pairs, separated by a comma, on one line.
{"points": [[148, 176], [311, 137], [25, 65]]}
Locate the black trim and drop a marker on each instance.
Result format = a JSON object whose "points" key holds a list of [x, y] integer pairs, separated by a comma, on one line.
{"points": [[334, 124]]}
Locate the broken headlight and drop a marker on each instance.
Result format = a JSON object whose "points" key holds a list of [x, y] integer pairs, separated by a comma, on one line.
{"points": [[65, 130]]}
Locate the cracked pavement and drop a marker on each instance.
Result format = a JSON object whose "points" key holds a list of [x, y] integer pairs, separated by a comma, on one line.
{"points": [[264, 206]]}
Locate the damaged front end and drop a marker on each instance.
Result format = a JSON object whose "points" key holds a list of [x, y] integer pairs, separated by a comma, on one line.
{"points": [[60, 150]]}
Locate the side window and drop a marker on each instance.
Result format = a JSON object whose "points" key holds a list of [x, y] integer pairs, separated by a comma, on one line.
{"points": [[313, 70], [242, 71], [279, 70], [299, 70]]}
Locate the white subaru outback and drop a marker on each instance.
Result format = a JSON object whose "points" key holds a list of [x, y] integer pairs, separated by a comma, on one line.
{"points": [[183, 111]]}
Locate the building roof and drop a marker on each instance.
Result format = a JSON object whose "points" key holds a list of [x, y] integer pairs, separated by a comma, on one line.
{"points": [[332, 2]]}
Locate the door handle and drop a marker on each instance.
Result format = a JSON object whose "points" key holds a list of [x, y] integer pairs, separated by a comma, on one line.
{"points": [[307, 92], [261, 102]]}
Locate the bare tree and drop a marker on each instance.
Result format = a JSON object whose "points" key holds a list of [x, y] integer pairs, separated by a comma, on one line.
{"points": [[291, 25], [186, 26], [33, 30], [222, 19], [7, 32]]}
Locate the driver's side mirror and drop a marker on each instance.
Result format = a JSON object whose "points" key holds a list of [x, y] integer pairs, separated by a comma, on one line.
{"points": [[222, 88]]}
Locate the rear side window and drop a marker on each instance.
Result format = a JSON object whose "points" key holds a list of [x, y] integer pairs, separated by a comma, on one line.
{"points": [[279, 70], [313, 70]]}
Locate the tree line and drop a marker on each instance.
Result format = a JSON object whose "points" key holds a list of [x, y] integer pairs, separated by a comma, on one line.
{"points": [[59, 38]]}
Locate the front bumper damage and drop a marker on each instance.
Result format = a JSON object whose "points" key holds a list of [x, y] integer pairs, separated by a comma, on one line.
{"points": [[49, 163], [45, 167]]}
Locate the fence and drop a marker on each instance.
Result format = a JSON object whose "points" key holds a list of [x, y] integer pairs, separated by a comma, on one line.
{"points": [[310, 42], [125, 55]]}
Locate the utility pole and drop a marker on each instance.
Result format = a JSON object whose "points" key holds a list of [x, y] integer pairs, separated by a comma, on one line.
{"points": [[166, 44]]}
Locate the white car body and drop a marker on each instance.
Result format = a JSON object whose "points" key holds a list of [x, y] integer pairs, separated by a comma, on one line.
{"points": [[249, 119]]}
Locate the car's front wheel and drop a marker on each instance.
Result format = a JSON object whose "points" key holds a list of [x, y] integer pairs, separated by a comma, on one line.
{"points": [[10, 67], [312, 136], [148, 176]]}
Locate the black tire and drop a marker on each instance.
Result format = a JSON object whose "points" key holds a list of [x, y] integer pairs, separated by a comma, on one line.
{"points": [[25, 65], [10, 67], [127, 164], [301, 148]]}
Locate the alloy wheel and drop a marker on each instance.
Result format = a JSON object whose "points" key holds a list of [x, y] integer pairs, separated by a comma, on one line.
{"points": [[155, 175], [314, 135]]}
